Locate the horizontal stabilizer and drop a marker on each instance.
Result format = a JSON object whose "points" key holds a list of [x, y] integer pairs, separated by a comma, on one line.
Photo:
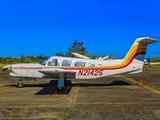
{"points": [[146, 40]]}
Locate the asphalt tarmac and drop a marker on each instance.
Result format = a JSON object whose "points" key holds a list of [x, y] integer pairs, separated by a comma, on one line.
{"points": [[119, 97]]}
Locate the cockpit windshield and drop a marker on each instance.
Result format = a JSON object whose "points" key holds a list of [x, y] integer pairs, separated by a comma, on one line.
{"points": [[43, 62]]}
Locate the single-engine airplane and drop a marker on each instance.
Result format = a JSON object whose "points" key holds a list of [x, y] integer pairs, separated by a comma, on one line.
{"points": [[64, 68]]}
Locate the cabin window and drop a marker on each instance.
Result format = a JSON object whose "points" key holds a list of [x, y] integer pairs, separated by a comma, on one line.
{"points": [[91, 65], [43, 62], [54, 62], [99, 64], [80, 64], [66, 63]]}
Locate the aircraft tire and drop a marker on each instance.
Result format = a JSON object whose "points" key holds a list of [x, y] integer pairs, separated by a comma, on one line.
{"points": [[20, 85]]}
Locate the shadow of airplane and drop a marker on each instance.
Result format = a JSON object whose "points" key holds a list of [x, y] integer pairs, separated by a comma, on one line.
{"points": [[51, 87]]}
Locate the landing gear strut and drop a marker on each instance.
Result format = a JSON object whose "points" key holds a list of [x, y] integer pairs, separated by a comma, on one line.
{"points": [[20, 83], [61, 81]]}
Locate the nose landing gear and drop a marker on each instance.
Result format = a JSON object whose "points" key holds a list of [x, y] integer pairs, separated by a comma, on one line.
{"points": [[20, 84]]}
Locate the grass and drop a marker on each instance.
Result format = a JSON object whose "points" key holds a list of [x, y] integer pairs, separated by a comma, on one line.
{"points": [[2, 65], [153, 67]]}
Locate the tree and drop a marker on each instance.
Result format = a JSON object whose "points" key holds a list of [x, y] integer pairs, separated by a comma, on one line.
{"points": [[77, 47], [59, 54], [113, 56]]}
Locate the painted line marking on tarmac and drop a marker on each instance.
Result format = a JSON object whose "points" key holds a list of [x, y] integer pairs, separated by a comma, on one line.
{"points": [[79, 103], [34, 102], [136, 82], [115, 103]]}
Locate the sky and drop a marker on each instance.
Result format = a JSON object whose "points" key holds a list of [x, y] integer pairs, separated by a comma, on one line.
{"points": [[44, 27]]}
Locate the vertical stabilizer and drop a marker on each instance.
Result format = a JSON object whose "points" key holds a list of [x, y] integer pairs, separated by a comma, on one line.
{"points": [[138, 49], [136, 54]]}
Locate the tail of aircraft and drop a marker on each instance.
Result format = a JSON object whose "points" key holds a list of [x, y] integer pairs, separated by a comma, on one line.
{"points": [[137, 52]]}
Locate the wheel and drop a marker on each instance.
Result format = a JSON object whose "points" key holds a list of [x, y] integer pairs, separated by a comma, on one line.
{"points": [[20, 84]]}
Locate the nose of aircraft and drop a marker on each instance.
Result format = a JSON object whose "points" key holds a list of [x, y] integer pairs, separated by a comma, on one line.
{"points": [[6, 67]]}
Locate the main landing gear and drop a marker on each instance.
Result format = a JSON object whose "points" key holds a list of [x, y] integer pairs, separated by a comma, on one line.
{"points": [[61, 83]]}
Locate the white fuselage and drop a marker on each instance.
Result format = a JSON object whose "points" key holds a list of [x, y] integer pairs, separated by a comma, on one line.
{"points": [[82, 68]]}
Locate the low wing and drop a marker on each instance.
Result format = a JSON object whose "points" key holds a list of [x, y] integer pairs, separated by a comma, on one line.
{"points": [[55, 70], [54, 73]]}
